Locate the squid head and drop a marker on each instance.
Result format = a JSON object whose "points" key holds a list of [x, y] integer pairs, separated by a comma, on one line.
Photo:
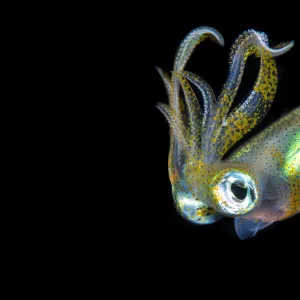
{"points": [[258, 184]]}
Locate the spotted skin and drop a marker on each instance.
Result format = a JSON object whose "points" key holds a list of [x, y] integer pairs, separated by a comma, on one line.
{"points": [[275, 154], [201, 136], [232, 127]]}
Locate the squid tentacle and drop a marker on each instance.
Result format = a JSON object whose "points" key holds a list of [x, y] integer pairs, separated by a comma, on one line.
{"points": [[166, 80], [189, 43], [173, 84], [177, 126], [225, 130], [194, 112], [186, 48], [209, 98]]}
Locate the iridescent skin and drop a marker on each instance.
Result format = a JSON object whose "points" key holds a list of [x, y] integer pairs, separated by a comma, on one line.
{"points": [[200, 178], [275, 154]]}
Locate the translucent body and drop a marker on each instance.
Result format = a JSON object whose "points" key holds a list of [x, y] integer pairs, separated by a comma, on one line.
{"points": [[275, 154], [265, 170]]}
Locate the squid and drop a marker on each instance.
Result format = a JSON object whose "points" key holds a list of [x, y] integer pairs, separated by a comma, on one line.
{"points": [[258, 183]]}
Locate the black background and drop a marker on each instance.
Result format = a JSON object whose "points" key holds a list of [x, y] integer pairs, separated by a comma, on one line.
{"points": [[99, 145]]}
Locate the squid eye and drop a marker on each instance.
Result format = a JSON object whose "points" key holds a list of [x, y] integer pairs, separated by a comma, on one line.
{"points": [[235, 193], [239, 190]]}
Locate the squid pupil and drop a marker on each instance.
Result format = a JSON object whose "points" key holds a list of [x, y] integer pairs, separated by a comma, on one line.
{"points": [[239, 190]]}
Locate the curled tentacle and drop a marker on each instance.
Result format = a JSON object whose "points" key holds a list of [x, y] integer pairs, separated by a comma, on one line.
{"points": [[184, 52], [225, 130], [189, 43], [172, 85]]}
